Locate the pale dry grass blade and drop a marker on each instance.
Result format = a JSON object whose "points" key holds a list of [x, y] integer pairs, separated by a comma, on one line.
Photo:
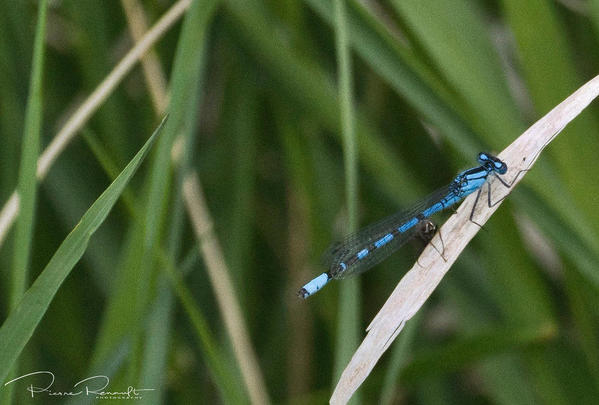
{"points": [[223, 289], [153, 73], [419, 283], [9, 214], [91, 105]]}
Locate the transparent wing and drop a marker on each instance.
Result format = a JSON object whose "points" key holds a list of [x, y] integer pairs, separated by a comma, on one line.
{"points": [[345, 251]]}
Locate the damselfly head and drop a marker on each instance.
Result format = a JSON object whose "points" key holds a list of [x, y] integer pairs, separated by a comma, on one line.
{"points": [[492, 163]]}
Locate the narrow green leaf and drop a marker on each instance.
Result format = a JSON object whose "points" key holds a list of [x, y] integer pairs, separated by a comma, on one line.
{"points": [[311, 87], [185, 82], [188, 61], [27, 186], [22, 321], [27, 182], [244, 127], [455, 37], [349, 297], [583, 296], [225, 377], [468, 350], [379, 50], [90, 23], [508, 380], [546, 59], [115, 336]]}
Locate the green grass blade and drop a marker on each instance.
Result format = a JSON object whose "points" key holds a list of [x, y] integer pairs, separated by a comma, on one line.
{"points": [[27, 182], [471, 349], [92, 47], [22, 321], [455, 37], [12, 107], [230, 388], [350, 151], [114, 336], [27, 186], [313, 90], [548, 67], [378, 49], [508, 380], [349, 297], [187, 65], [569, 242], [583, 296], [244, 127], [186, 84], [477, 311]]}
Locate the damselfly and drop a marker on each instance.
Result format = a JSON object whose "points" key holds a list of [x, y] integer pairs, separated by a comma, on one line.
{"points": [[363, 250]]}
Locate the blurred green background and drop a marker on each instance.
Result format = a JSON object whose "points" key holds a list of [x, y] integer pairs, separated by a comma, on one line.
{"points": [[253, 93]]}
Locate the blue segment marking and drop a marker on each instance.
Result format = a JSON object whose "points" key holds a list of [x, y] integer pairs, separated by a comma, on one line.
{"points": [[383, 241], [362, 253], [433, 209], [408, 225]]}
